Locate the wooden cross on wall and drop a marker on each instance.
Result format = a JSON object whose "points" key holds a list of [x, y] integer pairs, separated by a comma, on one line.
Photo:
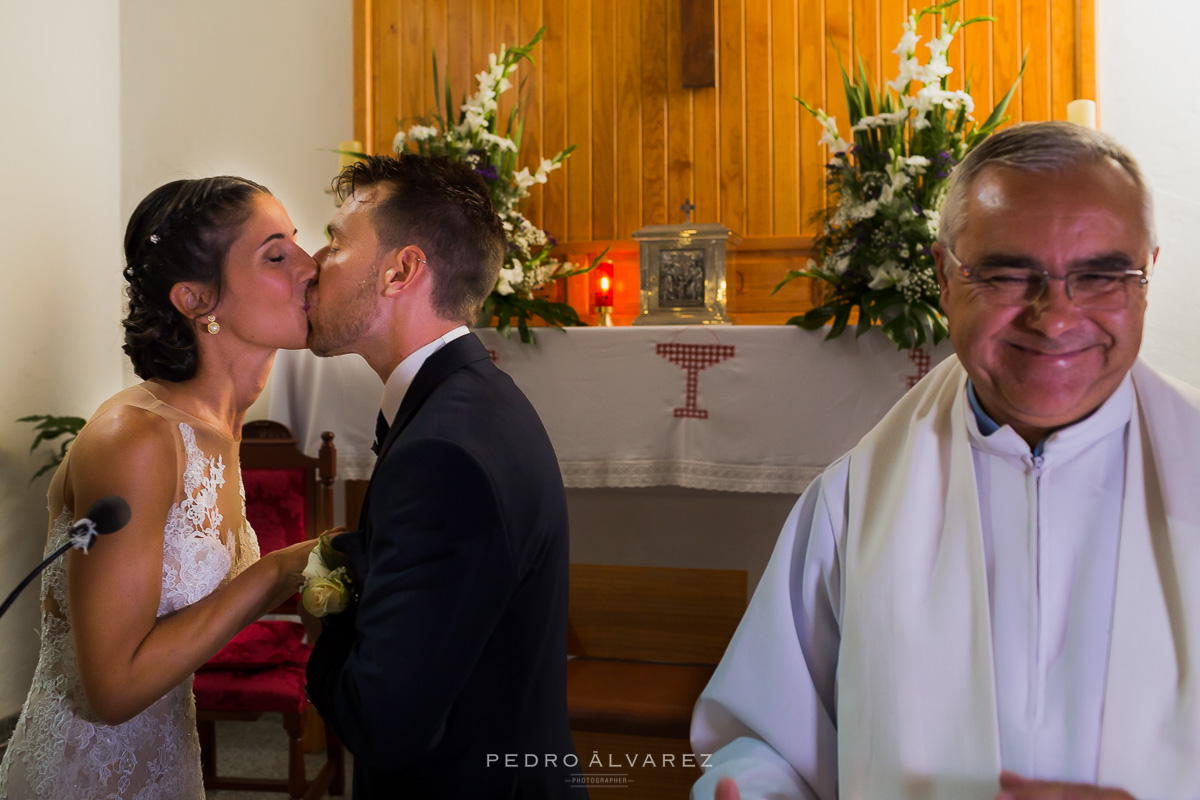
{"points": [[699, 37]]}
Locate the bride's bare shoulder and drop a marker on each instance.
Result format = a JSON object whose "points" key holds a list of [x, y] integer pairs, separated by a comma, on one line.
{"points": [[125, 435]]}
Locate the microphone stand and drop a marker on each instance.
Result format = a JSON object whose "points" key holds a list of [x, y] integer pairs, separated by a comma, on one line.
{"points": [[108, 514], [38, 571]]}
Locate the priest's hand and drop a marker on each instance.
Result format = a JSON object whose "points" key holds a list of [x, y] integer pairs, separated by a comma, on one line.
{"points": [[727, 790], [1014, 787]]}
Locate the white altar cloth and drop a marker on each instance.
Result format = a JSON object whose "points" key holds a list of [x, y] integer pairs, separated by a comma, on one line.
{"points": [[737, 408]]}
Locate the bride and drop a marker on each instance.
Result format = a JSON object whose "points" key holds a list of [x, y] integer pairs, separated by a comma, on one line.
{"points": [[216, 284]]}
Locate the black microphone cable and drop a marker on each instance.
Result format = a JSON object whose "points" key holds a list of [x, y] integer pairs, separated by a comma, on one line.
{"points": [[108, 514]]}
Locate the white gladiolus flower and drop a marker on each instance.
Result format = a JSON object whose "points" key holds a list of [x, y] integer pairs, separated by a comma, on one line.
{"points": [[881, 120], [910, 70], [850, 211], [908, 42], [830, 135], [523, 179], [422, 133], [915, 164], [898, 180], [502, 142], [398, 142], [474, 118], [933, 218]]}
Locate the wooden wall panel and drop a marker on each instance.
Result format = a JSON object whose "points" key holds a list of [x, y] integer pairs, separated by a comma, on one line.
{"points": [[607, 78], [810, 16], [1062, 56], [579, 121], [628, 129], [783, 142], [977, 52], [731, 123], [604, 102], [555, 109], [758, 127], [654, 93], [679, 123], [534, 101]]}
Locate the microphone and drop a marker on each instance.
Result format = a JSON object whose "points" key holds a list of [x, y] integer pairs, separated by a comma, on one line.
{"points": [[107, 515]]}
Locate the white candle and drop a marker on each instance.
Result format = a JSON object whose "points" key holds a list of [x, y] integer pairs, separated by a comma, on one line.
{"points": [[1082, 112]]}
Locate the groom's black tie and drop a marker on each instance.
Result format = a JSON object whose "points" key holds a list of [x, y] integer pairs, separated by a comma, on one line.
{"points": [[381, 431]]}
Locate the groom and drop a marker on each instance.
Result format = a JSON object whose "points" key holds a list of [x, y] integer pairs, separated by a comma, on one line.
{"points": [[448, 678]]}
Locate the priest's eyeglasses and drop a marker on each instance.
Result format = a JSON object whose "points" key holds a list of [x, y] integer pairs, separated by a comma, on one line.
{"points": [[1095, 289]]}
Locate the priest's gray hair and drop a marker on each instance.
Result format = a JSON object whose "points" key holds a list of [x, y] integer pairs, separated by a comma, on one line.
{"points": [[1037, 147]]}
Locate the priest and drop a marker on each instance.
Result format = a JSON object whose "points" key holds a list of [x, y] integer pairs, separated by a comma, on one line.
{"points": [[996, 593]]}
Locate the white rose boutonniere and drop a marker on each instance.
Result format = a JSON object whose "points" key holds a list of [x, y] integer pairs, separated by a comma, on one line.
{"points": [[326, 587]]}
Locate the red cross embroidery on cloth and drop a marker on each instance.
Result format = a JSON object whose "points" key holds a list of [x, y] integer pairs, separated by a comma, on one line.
{"points": [[920, 360], [693, 358]]}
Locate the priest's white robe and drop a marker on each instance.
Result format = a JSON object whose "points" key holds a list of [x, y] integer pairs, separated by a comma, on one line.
{"points": [[942, 604]]}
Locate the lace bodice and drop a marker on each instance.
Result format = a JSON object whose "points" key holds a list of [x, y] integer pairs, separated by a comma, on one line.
{"points": [[59, 749]]}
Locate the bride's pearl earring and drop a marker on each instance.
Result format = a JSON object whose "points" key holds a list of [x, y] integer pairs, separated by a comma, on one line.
{"points": [[213, 327]]}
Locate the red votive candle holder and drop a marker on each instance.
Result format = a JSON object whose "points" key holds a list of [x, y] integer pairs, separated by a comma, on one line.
{"points": [[604, 285]]}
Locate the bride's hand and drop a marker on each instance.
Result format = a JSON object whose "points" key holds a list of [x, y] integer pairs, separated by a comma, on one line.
{"points": [[333, 533], [289, 563]]}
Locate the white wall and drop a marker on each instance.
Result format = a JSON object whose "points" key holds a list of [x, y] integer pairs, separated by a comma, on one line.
{"points": [[261, 89], [61, 302], [1147, 63], [103, 100]]}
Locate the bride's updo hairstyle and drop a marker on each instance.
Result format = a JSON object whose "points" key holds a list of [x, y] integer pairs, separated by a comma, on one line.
{"points": [[181, 232]]}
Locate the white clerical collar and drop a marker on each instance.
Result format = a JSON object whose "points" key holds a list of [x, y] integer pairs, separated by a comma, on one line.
{"points": [[1113, 413], [402, 376]]}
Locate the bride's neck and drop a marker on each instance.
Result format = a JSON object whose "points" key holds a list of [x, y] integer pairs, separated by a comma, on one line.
{"points": [[221, 391]]}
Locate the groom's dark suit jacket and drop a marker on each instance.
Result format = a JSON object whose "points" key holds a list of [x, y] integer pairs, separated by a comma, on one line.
{"points": [[455, 655]]}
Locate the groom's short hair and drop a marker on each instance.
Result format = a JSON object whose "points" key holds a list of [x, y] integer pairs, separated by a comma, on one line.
{"points": [[443, 207]]}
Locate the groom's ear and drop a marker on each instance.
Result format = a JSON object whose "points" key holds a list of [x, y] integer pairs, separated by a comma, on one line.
{"points": [[405, 267], [192, 300]]}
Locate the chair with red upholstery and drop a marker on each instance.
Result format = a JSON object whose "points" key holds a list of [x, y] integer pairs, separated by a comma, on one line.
{"points": [[289, 498]]}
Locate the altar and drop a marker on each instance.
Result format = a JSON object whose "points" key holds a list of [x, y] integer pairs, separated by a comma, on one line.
{"points": [[679, 446], [724, 408]]}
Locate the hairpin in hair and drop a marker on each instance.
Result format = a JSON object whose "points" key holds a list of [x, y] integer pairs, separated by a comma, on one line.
{"points": [[154, 238]]}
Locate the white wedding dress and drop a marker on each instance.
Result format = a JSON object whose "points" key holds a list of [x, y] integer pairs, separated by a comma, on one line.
{"points": [[60, 750]]}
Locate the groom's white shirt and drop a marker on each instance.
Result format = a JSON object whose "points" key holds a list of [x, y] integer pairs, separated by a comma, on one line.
{"points": [[402, 376], [922, 723]]}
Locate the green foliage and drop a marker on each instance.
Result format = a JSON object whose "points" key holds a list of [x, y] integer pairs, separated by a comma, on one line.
{"points": [[48, 428]]}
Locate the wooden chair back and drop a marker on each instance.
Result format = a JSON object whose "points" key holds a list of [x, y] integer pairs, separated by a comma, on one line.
{"points": [[683, 616], [269, 445]]}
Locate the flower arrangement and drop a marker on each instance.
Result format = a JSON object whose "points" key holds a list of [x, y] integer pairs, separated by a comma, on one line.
{"points": [[473, 135], [889, 182]]}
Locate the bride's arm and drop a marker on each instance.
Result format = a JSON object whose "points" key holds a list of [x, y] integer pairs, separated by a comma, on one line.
{"points": [[127, 658]]}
